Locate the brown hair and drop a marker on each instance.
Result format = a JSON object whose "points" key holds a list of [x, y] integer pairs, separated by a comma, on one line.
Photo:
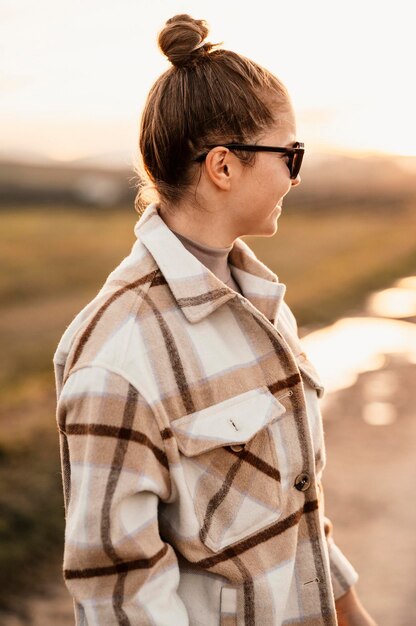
{"points": [[208, 96]]}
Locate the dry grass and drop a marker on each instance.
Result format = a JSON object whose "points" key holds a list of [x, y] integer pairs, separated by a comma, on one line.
{"points": [[46, 254]]}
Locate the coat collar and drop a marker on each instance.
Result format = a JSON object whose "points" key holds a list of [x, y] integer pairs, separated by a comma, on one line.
{"points": [[197, 291]]}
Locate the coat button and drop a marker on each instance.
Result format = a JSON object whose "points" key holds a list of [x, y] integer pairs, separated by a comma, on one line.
{"points": [[303, 482], [237, 447]]}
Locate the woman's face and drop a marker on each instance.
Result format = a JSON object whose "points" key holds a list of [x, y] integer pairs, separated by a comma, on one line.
{"points": [[258, 200]]}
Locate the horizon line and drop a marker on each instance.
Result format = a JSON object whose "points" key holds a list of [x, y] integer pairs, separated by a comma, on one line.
{"points": [[110, 159]]}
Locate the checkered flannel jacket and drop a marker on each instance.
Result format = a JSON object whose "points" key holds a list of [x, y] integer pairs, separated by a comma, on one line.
{"points": [[192, 449]]}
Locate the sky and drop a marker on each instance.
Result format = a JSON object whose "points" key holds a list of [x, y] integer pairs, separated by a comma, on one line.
{"points": [[74, 75]]}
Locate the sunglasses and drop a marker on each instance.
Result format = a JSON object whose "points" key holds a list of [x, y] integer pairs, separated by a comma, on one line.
{"points": [[294, 154]]}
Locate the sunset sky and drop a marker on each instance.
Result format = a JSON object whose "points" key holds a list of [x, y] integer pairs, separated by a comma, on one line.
{"points": [[75, 74]]}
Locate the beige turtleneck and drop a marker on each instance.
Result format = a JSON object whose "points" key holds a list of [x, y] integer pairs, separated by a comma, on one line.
{"points": [[215, 259]]}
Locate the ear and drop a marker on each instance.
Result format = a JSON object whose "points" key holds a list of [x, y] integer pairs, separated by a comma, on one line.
{"points": [[221, 167]]}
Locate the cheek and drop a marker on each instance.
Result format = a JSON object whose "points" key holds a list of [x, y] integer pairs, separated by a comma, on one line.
{"points": [[276, 174]]}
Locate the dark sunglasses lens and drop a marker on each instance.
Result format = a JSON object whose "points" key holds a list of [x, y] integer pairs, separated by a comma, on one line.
{"points": [[295, 164]]}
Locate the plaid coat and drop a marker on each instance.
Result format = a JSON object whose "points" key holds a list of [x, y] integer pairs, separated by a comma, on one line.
{"points": [[192, 449]]}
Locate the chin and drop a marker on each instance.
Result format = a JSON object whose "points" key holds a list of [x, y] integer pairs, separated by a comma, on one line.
{"points": [[274, 222], [273, 231], [266, 227], [268, 230]]}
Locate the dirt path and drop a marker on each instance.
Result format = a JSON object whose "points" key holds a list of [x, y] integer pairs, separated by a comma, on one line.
{"points": [[52, 609], [369, 487]]}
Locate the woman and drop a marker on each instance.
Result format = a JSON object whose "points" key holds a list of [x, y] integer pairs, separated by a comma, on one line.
{"points": [[191, 438]]}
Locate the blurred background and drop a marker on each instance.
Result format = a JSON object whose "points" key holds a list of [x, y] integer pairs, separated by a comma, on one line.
{"points": [[73, 82]]}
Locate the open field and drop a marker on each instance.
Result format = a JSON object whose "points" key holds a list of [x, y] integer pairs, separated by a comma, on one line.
{"points": [[331, 259], [54, 261]]}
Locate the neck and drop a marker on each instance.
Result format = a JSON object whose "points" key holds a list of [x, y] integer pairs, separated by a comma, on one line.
{"points": [[214, 258], [206, 227]]}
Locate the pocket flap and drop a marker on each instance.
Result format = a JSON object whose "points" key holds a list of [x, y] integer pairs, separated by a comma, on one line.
{"points": [[233, 421]]}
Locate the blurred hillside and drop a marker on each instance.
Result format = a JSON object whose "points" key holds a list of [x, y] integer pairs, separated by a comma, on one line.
{"points": [[366, 180], [51, 183], [327, 180]]}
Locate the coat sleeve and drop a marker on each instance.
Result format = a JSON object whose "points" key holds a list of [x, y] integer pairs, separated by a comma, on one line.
{"points": [[115, 471]]}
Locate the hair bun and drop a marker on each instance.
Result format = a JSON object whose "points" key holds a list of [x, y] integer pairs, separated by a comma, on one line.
{"points": [[179, 38]]}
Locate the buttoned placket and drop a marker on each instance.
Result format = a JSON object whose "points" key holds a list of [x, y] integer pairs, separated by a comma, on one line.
{"points": [[309, 469], [304, 481]]}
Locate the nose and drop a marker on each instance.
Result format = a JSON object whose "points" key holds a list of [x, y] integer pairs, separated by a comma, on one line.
{"points": [[296, 181]]}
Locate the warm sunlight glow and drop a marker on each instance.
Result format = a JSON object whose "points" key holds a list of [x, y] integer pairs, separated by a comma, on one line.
{"points": [[363, 343], [366, 342], [393, 302], [371, 128], [346, 65], [379, 413]]}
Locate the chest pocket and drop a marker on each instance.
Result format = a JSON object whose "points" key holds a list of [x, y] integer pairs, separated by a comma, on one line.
{"points": [[230, 467]]}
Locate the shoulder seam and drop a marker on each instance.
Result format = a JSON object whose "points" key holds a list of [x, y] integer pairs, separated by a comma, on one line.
{"points": [[113, 370]]}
